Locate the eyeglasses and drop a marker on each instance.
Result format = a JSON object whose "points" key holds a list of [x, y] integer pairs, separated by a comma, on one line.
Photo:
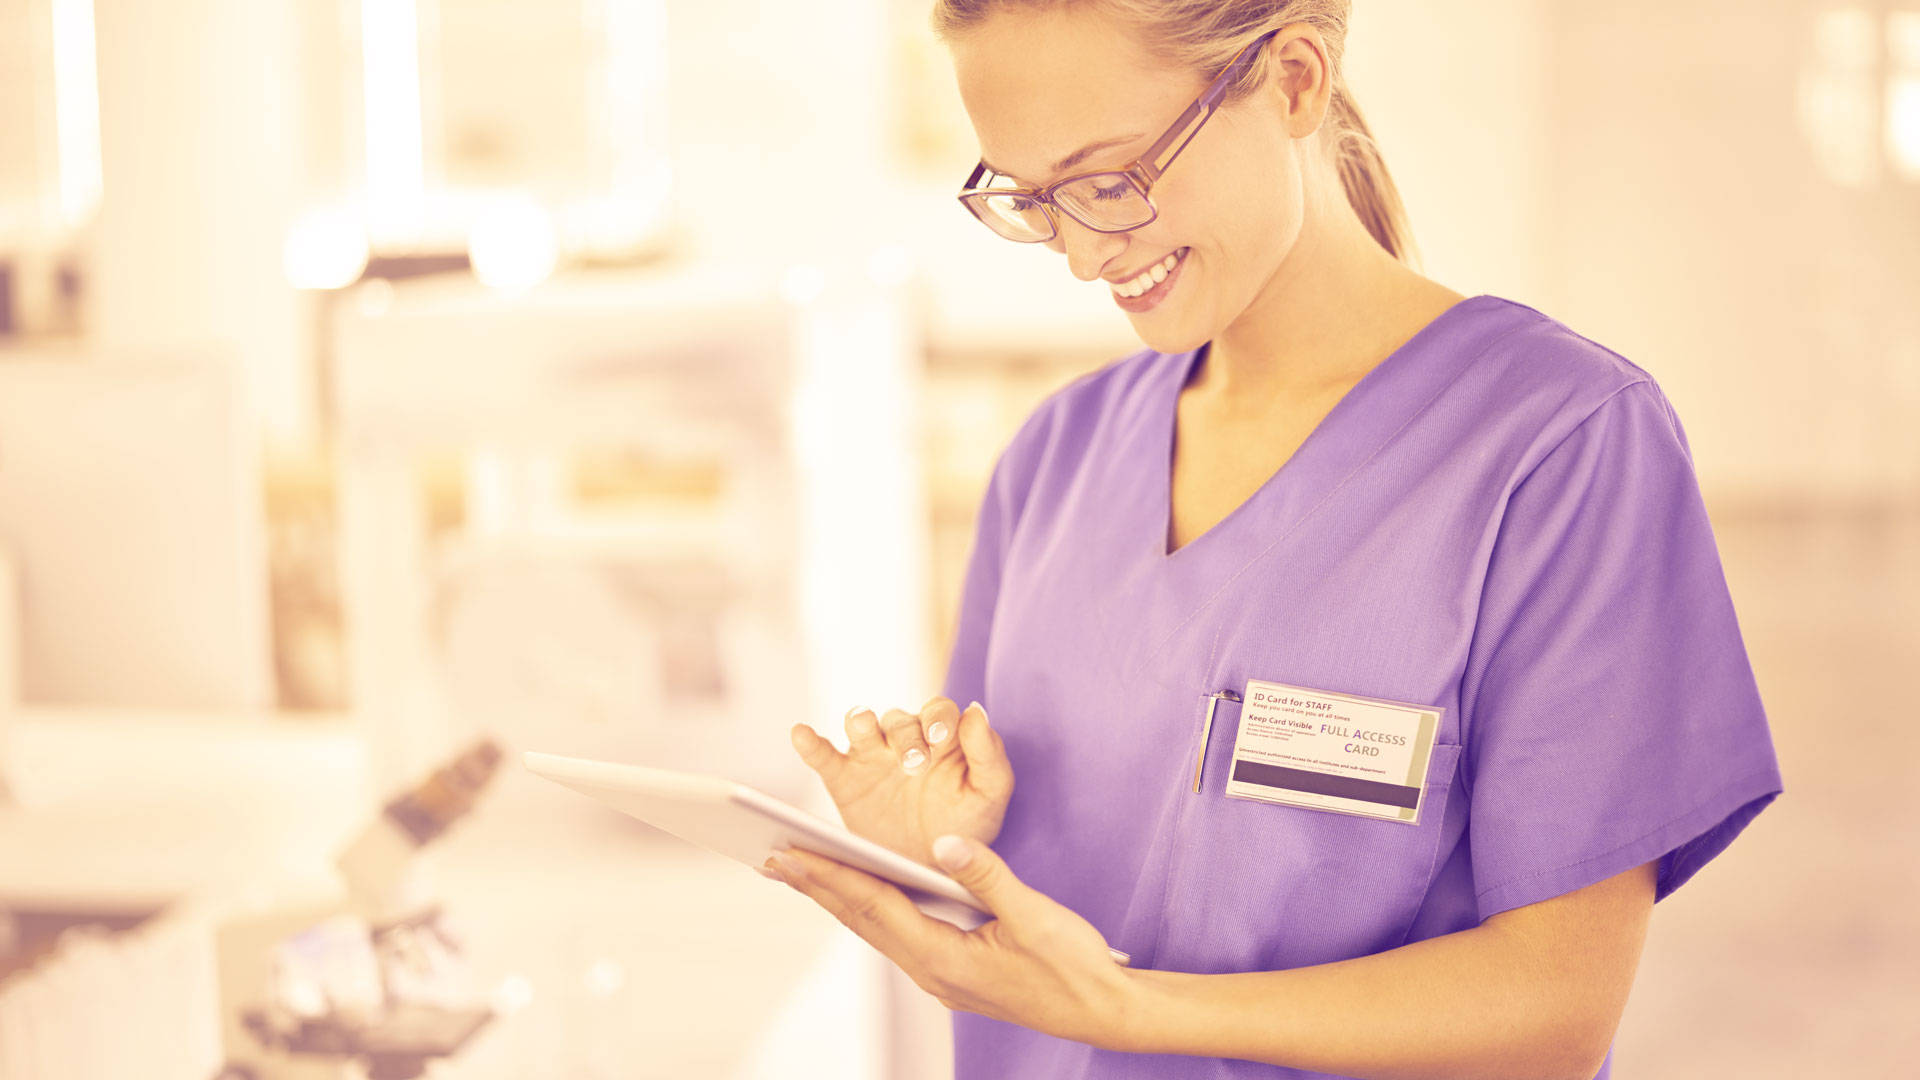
{"points": [[1108, 201]]}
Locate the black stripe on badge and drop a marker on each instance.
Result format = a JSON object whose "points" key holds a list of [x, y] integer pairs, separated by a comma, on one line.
{"points": [[1344, 787]]}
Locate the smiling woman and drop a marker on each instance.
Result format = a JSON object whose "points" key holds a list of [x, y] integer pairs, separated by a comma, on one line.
{"points": [[1330, 497]]}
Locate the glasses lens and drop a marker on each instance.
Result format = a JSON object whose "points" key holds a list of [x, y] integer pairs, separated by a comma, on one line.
{"points": [[1106, 201], [1015, 217]]}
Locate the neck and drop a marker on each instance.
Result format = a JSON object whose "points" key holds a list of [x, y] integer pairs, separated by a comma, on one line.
{"points": [[1313, 327]]}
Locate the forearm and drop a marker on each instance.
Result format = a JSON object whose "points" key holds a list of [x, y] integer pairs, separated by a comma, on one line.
{"points": [[1477, 1003]]}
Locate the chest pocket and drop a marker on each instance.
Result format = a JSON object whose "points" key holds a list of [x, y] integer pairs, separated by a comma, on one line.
{"points": [[1259, 886]]}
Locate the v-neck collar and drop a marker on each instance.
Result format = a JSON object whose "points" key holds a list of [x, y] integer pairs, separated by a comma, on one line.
{"points": [[1365, 417]]}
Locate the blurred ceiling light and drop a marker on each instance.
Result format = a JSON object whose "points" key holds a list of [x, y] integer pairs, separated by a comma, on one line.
{"points": [[396, 170], [1903, 93], [324, 249], [512, 245], [76, 104], [803, 283], [514, 993], [1837, 99]]}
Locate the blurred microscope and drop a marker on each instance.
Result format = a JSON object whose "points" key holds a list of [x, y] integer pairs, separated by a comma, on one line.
{"points": [[372, 984]]}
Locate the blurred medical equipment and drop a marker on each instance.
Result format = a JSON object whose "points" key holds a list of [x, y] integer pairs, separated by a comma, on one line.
{"points": [[123, 855], [104, 1005], [130, 503], [652, 515], [373, 977], [277, 974]]}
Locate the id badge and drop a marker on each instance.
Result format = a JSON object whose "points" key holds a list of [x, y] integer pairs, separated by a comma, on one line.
{"points": [[1330, 751]]}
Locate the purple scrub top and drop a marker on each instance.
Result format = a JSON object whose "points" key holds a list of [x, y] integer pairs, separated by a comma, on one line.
{"points": [[1500, 521]]}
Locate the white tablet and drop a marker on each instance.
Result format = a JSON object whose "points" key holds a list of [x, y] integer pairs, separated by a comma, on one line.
{"points": [[749, 825]]}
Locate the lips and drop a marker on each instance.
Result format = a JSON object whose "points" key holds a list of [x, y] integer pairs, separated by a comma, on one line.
{"points": [[1151, 298]]}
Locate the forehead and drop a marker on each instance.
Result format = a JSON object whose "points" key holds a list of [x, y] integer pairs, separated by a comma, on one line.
{"points": [[1038, 86]]}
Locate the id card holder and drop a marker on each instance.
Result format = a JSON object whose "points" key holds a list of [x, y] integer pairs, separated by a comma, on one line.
{"points": [[1326, 750]]}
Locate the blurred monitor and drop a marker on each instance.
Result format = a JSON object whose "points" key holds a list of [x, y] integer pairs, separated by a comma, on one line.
{"points": [[131, 508]]}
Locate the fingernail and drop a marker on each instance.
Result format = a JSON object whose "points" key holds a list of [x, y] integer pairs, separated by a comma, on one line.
{"points": [[952, 852], [788, 867], [769, 873], [856, 711], [937, 731], [912, 758], [977, 705]]}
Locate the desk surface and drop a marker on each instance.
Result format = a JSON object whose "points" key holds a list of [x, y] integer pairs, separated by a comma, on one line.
{"points": [[127, 809]]}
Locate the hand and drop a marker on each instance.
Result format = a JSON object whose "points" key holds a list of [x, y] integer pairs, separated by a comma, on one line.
{"points": [[906, 779], [1037, 964]]}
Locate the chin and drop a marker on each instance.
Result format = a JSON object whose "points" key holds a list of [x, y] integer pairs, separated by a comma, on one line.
{"points": [[1169, 340]]}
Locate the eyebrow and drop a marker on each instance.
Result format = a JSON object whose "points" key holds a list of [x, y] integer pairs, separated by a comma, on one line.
{"points": [[1072, 159]]}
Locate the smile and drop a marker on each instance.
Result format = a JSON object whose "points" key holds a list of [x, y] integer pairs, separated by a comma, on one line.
{"points": [[1145, 291]]}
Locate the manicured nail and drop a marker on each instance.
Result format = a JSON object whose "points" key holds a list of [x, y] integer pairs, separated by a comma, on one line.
{"points": [[856, 711], [912, 758], [952, 853], [937, 731]]}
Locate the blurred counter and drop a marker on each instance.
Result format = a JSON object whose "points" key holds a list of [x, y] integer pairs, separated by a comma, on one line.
{"points": [[122, 810]]}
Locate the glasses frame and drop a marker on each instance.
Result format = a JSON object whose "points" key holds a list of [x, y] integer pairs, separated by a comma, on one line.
{"points": [[1142, 172]]}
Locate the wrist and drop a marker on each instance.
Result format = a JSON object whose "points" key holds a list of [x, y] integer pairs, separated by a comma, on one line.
{"points": [[1141, 1013]]}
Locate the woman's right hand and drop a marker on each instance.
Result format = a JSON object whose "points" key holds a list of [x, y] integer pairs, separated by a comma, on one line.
{"points": [[906, 779]]}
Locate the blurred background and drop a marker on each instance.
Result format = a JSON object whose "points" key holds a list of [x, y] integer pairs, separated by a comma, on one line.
{"points": [[387, 381]]}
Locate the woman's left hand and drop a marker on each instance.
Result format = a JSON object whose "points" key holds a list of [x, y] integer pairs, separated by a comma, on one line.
{"points": [[1037, 964]]}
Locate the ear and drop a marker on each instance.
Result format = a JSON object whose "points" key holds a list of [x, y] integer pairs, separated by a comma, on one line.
{"points": [[1299, 78]]}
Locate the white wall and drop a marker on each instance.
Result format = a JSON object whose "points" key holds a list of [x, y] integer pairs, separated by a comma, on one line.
{"points": [[1453, 95], [1696, 236], [200, 147], [767, 97]]}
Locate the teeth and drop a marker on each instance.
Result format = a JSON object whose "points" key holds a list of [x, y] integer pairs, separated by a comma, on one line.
{"points": [[1154, 276]]}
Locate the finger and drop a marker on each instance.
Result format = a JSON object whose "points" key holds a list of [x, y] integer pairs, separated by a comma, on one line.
{"points": [[863, 732], [987, 766], [904, 740], [874, 909], [986, 875], [939, 722], [820, 755]]}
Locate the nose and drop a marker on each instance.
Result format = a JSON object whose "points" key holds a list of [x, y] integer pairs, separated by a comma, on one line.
{"points": [[1087, 251]]}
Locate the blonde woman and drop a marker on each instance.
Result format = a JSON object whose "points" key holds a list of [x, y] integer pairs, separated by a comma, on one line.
{"points": [[1361, 648]]}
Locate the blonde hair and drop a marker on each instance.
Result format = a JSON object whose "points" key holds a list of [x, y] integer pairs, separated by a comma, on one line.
{"points": [[1203, 36]]}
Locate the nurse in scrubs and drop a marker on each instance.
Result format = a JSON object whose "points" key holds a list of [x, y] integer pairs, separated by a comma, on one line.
{"points": [[1360, 649]]}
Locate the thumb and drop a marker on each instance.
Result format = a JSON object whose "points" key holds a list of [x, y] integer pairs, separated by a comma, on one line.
{"points": [[987, 765], [817, 752], [984, 873]]}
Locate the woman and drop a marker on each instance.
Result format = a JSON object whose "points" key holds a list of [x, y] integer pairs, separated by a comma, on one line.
{"points": [[1361, 648]]}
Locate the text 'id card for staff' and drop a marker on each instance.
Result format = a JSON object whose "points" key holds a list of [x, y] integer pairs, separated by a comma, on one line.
{"points": [[1332, 751]]}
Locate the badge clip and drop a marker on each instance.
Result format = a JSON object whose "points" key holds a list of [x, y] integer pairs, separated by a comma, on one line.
{"points": [[1206, 728]]}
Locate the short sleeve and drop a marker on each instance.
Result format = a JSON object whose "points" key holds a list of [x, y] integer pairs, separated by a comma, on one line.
{"points": [[1612, 716], [1006, 494]]}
